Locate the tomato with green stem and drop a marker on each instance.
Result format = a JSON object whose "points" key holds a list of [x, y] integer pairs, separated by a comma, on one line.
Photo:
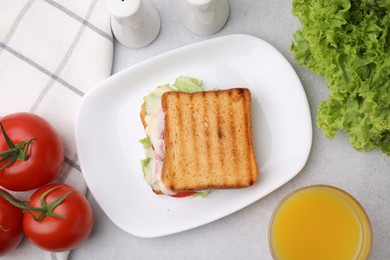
{"points": [[31, 152], [57, 217], [65, 222], [11, 225]]}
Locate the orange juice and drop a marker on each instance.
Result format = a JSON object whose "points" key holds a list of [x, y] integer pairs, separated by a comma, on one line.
{"points": [[320, 222]]}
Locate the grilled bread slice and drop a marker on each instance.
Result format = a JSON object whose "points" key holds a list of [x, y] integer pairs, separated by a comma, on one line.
{"points": [[208, 140]]}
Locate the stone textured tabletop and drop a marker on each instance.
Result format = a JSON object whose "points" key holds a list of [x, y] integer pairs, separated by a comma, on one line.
{"points": [[244, 234]]}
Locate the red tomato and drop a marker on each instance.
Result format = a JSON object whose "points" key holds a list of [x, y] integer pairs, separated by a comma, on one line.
{"points": [[45, 153], [59, 233], [183, 194], [11, 225]]}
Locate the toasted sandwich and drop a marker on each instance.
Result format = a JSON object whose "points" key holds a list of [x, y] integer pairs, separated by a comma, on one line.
{"points": [[199, 141]]}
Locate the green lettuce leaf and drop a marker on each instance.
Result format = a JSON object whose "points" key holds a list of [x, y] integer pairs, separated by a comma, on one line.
{"points": [[145, 162], [146, 142], [188, 84], [202, 193], [348, 43]]}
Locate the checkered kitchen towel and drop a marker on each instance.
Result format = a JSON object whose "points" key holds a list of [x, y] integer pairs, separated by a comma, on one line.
{"points": [[51, 53]]}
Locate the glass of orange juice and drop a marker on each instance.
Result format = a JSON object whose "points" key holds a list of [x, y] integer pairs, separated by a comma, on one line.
{"points": [[320, 222]]}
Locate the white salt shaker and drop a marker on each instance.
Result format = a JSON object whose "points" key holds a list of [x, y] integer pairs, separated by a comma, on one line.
{"points": [[134, 23], [204, 16]]}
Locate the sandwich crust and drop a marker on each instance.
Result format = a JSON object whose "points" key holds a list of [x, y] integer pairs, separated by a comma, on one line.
{"points": [[142, 114], [208, 140]]}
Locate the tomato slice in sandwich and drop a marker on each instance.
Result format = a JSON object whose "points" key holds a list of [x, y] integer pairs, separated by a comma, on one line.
{"points": [[183, 194]]}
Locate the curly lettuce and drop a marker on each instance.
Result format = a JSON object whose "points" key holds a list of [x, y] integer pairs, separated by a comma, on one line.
{"points": [[348, 43], [188, 84]]}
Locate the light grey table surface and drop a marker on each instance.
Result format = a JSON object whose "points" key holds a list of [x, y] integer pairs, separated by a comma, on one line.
{"points": [[244, 234]]}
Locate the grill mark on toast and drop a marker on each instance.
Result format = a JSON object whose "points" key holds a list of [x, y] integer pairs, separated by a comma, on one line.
{"points": [[232, 118], [172, 172], [187, 137], [220, 134], [224, 145], [195, 132], [206, 133], [220, 118], [213, 162], [220, 149]]}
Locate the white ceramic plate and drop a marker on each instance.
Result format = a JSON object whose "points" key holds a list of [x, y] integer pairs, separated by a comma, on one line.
{"points": [[108, 130]]}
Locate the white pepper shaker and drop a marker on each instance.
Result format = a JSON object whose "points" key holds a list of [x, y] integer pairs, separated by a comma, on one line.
{"points": [[204, 16], [134, 23]]}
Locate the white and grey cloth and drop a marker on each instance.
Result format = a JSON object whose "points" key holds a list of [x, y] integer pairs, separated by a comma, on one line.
{"points": [[51, 54]]}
